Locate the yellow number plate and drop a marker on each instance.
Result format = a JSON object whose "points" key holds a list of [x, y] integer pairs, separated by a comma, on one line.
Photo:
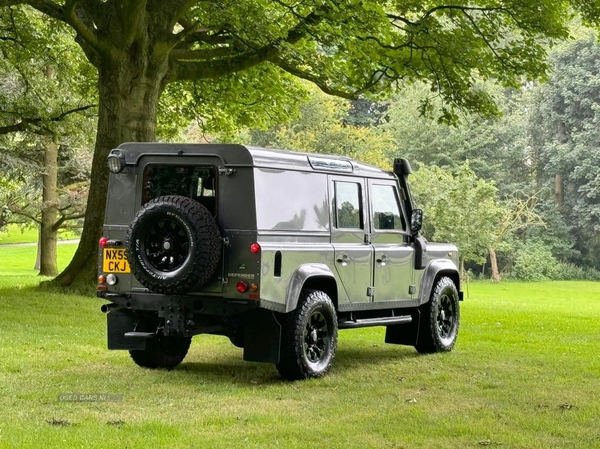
{"points": [[114, 261]]}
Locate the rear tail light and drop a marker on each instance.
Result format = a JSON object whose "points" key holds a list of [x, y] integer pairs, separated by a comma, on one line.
{"points": [[242, 287], [255, 248], [103, 241]]}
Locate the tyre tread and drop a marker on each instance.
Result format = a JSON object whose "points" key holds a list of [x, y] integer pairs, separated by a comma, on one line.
{"points": [[207, 251], [427, 342], [292, 364]]}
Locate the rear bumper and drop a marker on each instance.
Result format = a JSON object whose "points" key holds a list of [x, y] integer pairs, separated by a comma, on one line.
{"points": [[205, 305], [243, 321]]}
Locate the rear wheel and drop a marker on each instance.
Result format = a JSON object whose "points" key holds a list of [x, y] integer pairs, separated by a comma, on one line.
{"points": [[309, 337], [440, 319], [161, 352]]}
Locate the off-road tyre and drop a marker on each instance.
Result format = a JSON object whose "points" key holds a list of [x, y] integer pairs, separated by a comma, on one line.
{"points": [[173, 245], [309, 337], [161, 352], [440, 319]]}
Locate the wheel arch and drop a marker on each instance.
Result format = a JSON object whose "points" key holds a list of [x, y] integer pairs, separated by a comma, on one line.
{"points": [[435, 270], [314, 277]]}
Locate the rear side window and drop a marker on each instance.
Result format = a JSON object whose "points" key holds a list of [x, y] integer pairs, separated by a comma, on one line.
{"points": [[348, 205], [196, 182]]}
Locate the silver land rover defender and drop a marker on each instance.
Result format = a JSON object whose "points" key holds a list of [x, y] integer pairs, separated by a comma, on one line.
{"points": [[275, 250]]}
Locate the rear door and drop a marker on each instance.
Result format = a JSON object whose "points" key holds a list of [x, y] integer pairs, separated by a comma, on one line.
{"points": [[353, 256], [393, 256]]}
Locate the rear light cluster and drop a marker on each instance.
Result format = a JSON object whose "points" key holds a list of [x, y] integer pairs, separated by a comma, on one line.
{"points": [[110, 279], [243, 286]]}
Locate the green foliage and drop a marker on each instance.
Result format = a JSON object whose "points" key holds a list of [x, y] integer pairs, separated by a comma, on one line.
{"points": [[322, 127], [497, 149], [258, 98], [46, 95], [564, 124], [459, 208], [535, 262], [570, 272]]}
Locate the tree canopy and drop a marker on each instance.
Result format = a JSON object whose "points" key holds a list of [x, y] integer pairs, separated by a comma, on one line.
{"points": [[214, 51]]}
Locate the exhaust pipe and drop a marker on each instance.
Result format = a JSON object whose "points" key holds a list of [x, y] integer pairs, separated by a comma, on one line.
{"points": [[105, 308]]}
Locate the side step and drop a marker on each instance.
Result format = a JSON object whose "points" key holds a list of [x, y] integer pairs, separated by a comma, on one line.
{"points": [[139, 334], [371, 322]]}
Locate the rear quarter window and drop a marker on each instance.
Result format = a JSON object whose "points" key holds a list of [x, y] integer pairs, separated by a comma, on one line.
{"points": [[291, 201]]}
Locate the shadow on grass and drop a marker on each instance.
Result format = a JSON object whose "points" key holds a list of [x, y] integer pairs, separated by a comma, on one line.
{"points": [[231, 369]]}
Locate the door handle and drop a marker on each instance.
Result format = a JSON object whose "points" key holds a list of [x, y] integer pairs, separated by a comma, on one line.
{"points": [[383, 261], [343, 260]]}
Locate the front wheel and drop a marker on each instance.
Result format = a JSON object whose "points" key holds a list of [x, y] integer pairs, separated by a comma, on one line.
{"points": [[309, 337], [440, 319]]}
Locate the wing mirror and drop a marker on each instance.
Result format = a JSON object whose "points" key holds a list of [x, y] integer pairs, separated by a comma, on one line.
{"points": [[416, 220]]}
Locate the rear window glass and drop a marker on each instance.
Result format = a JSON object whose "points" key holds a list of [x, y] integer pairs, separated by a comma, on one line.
{"points": [[196, 182]]}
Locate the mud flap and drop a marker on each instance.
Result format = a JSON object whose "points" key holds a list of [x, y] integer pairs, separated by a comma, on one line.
{"points": [[119, 322], [404, 334], [262, 337]]}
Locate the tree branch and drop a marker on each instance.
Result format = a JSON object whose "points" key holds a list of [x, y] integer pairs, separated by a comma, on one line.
{"points": [[188, 70], [320, 83], [56, 226], [23, 213], [26, 124], [71, 17], [203, 55]]}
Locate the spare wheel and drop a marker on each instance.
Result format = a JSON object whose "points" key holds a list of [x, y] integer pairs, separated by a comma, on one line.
{"points": [[173, 245]]}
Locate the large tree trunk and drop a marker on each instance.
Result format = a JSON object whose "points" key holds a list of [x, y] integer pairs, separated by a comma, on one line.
{"points": [[48, 235], [494, 263], [129, 90]]}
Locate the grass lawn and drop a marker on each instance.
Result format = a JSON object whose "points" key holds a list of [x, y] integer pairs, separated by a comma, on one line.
{"points": [[16, 234], [525, 373], [18, 261]]}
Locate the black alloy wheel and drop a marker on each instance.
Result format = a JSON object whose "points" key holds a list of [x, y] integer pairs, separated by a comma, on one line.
{"points": [[309, 337], [440, 318], [173, 245]]}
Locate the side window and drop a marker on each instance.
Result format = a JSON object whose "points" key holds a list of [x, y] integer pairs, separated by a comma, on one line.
{"points": [[348, 207], [386, 209]]}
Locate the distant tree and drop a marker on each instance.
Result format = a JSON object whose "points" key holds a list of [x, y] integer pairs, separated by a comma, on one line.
{"points": [[45, 100], [322, 127], [565, 130], [497, 148], [459, 208]]}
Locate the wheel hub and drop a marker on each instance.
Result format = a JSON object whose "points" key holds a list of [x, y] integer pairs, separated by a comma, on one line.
{"points": [[166, 245], [445, 318], [316, 338]]}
